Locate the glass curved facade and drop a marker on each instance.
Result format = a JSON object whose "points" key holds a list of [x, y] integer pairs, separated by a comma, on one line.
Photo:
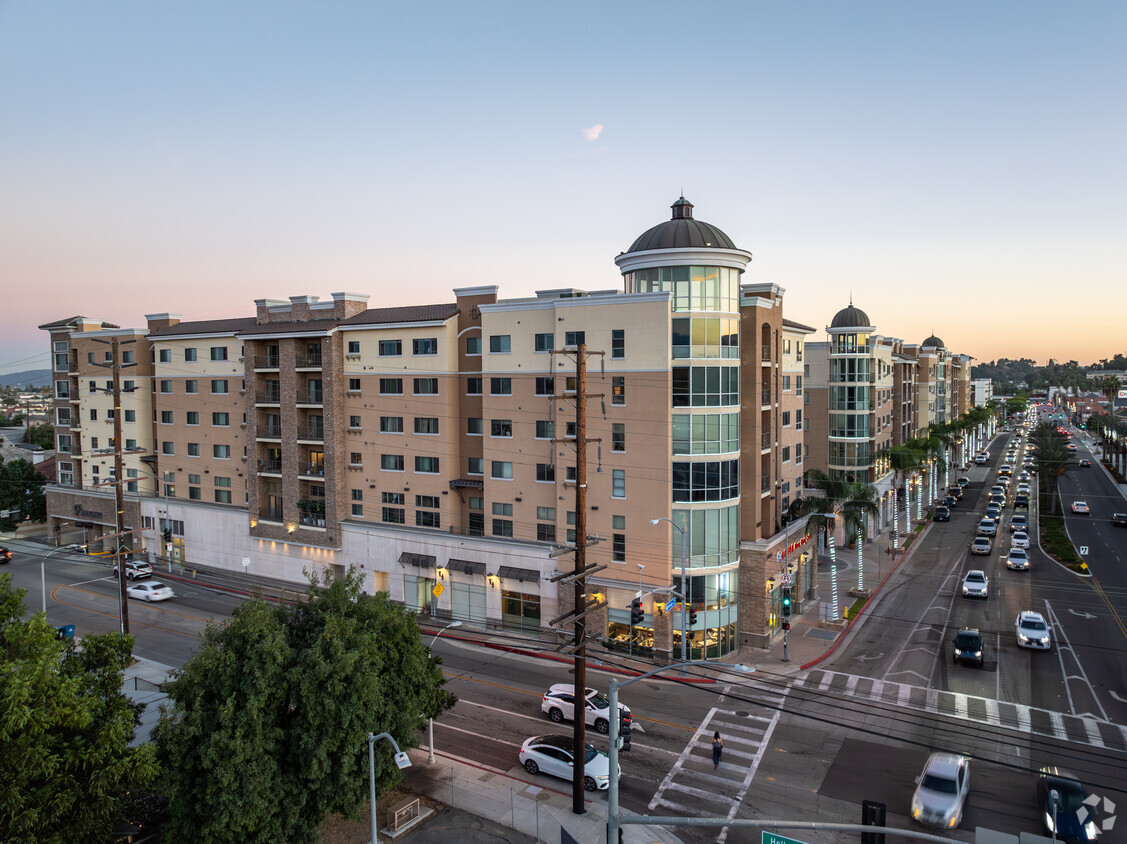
{"points": [[693, 288], [706, 433]]}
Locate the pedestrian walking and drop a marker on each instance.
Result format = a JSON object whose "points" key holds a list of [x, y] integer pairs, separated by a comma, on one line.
{"points": [[717, 749]]}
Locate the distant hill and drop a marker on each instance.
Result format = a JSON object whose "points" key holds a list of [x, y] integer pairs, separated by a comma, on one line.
{"points": [[28, 378]]}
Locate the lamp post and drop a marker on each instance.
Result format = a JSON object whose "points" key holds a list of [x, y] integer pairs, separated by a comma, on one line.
{"points": [[684, 590], [43, 570], [401, 759], [430, 721]]}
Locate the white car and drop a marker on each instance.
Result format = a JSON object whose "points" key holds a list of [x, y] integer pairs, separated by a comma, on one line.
{"points": [[976, 584], [981, 545], [987, 527], [1080, 507], [558, 704], [980, 459], [1017, 559], [554, 755], [941, 790], [150, 590], [1033, 631], [1020, 539]]}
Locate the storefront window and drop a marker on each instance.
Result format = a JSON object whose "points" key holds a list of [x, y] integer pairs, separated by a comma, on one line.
{"points": [[520, 610]]}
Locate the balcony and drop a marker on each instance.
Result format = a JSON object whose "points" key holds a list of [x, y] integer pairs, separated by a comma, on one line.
{"points": [[310, 396], [271, 395], [764, 441], [766, 354], [765, 398], [309, 361], [313, 520], [312, 470], [271, 430], [311, 432], [270, 514], [267, 362], [270, 467], [765, 484]]}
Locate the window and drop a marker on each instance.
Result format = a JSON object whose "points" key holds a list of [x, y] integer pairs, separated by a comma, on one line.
{"points": [[390, 348], [618, 389], [221, 420], [165, 356], [426, 465], [354, 385], [428, 519], [127, 357], [798, 419], [193, 449], [354, 423], [391, 462], [501, 469], [221, 452], [707, 386], [190, 355], [502, 527], [131, 416], [195, 493], [473, 386], [394, 515], [575, 338], [546, 472], [786, 453], [218, 386], [571, 430], [618, 540], [391, 386], [425, 346], [545, 532], [473, 345], [355, 458], [798, 384], [618, 343], [475, 425], [570, 474], [193, 417], [353, 347], [706, 481], [617, 436], [129, 386], [165, 386], [391, 424], [62, 389], [571, 526], [191, 386], [475, 465], [426, 424], [786, 419], [618, 483], [500, 343], [545, 429], [545, 386], [166, 417], [165, 447], [544, 342], [500, 386], [219, 353], [426, 386], [786, 383], [430, 501], [357, 509], [501, 428], [393, 498]]}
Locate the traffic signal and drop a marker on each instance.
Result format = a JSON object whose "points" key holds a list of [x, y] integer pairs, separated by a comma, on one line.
{"points": [[786, 625], [636, 614], [692, 616], [624, 728], [786, 602], [168, 534]]}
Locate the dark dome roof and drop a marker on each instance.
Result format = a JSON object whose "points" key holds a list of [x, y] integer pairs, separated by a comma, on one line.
{"points": [[682, 231], [850, 317], [935, 341]]}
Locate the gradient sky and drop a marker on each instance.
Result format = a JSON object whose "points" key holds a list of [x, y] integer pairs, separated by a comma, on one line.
{"points": [[956, 167]]}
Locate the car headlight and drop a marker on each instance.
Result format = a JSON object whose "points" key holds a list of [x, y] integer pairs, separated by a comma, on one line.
{"points": [[978, 654], [1021, 637], [602, 777], [1044, 640]]}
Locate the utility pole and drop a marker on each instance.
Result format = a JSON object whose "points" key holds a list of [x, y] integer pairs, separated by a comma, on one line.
{"points": [[580, 711]]}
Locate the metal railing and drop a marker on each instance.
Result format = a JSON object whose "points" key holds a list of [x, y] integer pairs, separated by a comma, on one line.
{"points": [[270, 429], [316, 470], [267, 361], [313, 520], [766, 357], [766, 397], [272, 466], [270, 514], [309, 361], [311, 432], [268, 396]]}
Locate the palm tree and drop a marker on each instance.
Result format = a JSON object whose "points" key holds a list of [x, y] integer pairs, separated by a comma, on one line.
{"points": [[1050, 450], [903, 459], [859, 504], [822, 509]]}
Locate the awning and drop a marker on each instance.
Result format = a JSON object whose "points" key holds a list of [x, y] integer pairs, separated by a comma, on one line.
{"points": [[421, 561], [513, 573], [466, 566], [467, 483]]}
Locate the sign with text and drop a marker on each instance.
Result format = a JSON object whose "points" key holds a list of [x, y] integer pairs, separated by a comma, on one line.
{"points": [[773, 838]]}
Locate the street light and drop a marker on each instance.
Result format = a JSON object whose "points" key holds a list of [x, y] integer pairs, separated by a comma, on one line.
{"points": [[684, 590], [430, 721], [401, 759], [43, 570]]}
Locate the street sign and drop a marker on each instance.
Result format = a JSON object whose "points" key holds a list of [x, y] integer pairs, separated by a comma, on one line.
{"points": [[787, 578], [670, 604], [437, 590], [1083, 550], [246, 560], [772, 838]]}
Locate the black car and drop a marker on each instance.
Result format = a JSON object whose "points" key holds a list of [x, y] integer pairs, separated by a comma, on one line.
{"points": [[1021, 501], [942, 514], [950, 501], [1119, 519], [956, 491], [5, 555], [969, 647], [1075, 821]]}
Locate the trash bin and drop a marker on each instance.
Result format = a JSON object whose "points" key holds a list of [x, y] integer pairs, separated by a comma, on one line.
{"points": [[65, 631]]}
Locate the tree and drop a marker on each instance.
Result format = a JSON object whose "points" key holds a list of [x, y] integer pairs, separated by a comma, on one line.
{"points": [[269, 720], [1050, 450], [903, 460], [41, 435], [822, 509], [858, 505], [65, 728], [21, 488]]}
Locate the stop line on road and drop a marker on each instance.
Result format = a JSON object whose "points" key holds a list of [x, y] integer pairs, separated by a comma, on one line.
{"points": [[1081, 729]]}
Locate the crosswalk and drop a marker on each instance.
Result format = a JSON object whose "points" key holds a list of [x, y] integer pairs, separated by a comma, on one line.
{"points": [[693, 787], [1083, 729]]}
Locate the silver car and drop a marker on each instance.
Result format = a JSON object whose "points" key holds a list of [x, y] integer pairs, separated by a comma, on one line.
{"points": [[976, 584], [1017, 559], [554, 755], [986, 527], [1020, 539], [1033, 631], [941, 790]]}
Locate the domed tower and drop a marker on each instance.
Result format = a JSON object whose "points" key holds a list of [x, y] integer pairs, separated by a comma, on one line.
{"points": [[701, 268], [852, 401]]}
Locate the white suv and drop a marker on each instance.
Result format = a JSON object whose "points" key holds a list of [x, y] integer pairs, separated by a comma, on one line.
{"points": [[559, 704]]}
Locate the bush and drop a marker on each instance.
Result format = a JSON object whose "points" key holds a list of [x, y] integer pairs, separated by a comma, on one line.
{"points": [[1055, 542]]}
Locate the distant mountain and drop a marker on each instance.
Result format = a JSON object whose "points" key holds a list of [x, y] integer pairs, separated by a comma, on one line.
{"points": [[28, 378]]}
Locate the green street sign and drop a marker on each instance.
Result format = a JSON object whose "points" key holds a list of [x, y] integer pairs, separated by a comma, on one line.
{"points": [[772, 838]]}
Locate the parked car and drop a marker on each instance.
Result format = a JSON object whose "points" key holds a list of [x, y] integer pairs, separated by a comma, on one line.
{"points": [[969, 646], [950, 501], [942, 514], [1020, 539], [976, 584], [1032, 630], [150, 590], [1017, 559], [559, 705], [1080, 507], [1065, 820], [555, 756], [5, 555], [1119, 519], [941, 790], [956, 491], [981, 545], [135, 569], [963, 482]]}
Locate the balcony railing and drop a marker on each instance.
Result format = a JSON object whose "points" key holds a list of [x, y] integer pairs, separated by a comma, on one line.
{"points": [[765, 483], [765, 440], [271, 395], [270, 514], [309, 361], [313, 520], [270, 429], [267, 361], [766, 357], [766, 397], [311, 432], [317, 470], [271, 466], [310, 396]]}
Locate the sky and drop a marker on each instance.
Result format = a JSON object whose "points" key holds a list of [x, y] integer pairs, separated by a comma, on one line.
{"points": [[955, 168]]}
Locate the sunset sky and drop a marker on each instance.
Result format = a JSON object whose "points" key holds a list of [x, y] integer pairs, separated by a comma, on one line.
{"points": [[955, 167]]}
